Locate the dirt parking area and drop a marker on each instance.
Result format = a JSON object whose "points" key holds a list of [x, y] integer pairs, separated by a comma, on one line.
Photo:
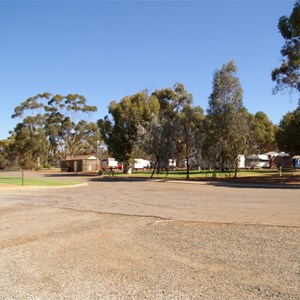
{"points": [[149, 240]]}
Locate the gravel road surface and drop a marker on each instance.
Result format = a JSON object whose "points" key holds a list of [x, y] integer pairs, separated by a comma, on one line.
{"points": [[117, 239]]}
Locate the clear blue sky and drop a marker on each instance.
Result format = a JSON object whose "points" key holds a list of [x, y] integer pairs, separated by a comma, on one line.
{"points": [[106, 50]]}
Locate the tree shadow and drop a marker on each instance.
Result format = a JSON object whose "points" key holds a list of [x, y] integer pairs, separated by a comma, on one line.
{"points": [[254, 185], [71, 174], [119, 179], [270, 182]]}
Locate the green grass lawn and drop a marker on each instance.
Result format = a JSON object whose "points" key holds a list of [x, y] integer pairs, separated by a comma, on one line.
{"points": [[35, 181], [194, 174]]}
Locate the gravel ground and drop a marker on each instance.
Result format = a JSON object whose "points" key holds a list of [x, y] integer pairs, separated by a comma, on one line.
{"points": [[52, 253], [149, 240]]}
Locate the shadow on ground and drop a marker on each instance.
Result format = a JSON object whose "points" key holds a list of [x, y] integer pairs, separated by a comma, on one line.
{"points": [[271, 181]]}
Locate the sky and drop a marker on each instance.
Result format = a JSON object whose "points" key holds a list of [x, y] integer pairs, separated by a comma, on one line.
{"points": [[105, 50]]}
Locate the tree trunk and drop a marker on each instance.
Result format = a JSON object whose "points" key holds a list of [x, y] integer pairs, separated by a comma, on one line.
{"points": [[187, 163], [126, 168], [155, 164], [235, 170]]}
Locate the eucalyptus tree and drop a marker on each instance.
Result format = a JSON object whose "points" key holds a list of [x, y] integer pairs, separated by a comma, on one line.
{"points": [[228, 128], [262, 134], [188, 125], [172, 133], [163, 131], [30, 142], [7, 156], [63, 120], [288, 134], [157, 143], [30, 146], [129, 117], [172, 129], [288, 74], [3, 154]]}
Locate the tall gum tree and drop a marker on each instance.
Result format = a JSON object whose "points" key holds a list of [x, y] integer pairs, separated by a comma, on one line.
{"points": [[172, 133], [227, 119], [166, 135], [287, 75], [120, 131], [63, 120], [162, 141], [189, 122], [262, 134], [288, 134]]}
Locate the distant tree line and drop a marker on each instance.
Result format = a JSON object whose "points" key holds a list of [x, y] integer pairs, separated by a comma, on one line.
{"points": [[165, 124], [52, 127], [161, 125]]}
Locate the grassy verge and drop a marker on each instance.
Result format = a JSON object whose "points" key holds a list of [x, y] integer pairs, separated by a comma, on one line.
{"points": [[206, 174], [35, 181]]}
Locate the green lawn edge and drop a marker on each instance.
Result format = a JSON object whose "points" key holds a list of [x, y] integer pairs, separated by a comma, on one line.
{"points": [[206, 174], [35, 181]]}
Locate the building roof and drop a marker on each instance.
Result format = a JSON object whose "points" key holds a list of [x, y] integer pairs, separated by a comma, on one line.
{"points": [[272, 153], [81, 157]]}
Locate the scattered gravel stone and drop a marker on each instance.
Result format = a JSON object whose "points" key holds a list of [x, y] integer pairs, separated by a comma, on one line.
{"points": [[64, 254]]}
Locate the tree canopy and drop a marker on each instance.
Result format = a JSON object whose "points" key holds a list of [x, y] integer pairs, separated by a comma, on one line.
{"points": [[287, 75], [162, 126], [53, 127], [129, 116], [288, 134], [227, 121], [263, 134]]}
